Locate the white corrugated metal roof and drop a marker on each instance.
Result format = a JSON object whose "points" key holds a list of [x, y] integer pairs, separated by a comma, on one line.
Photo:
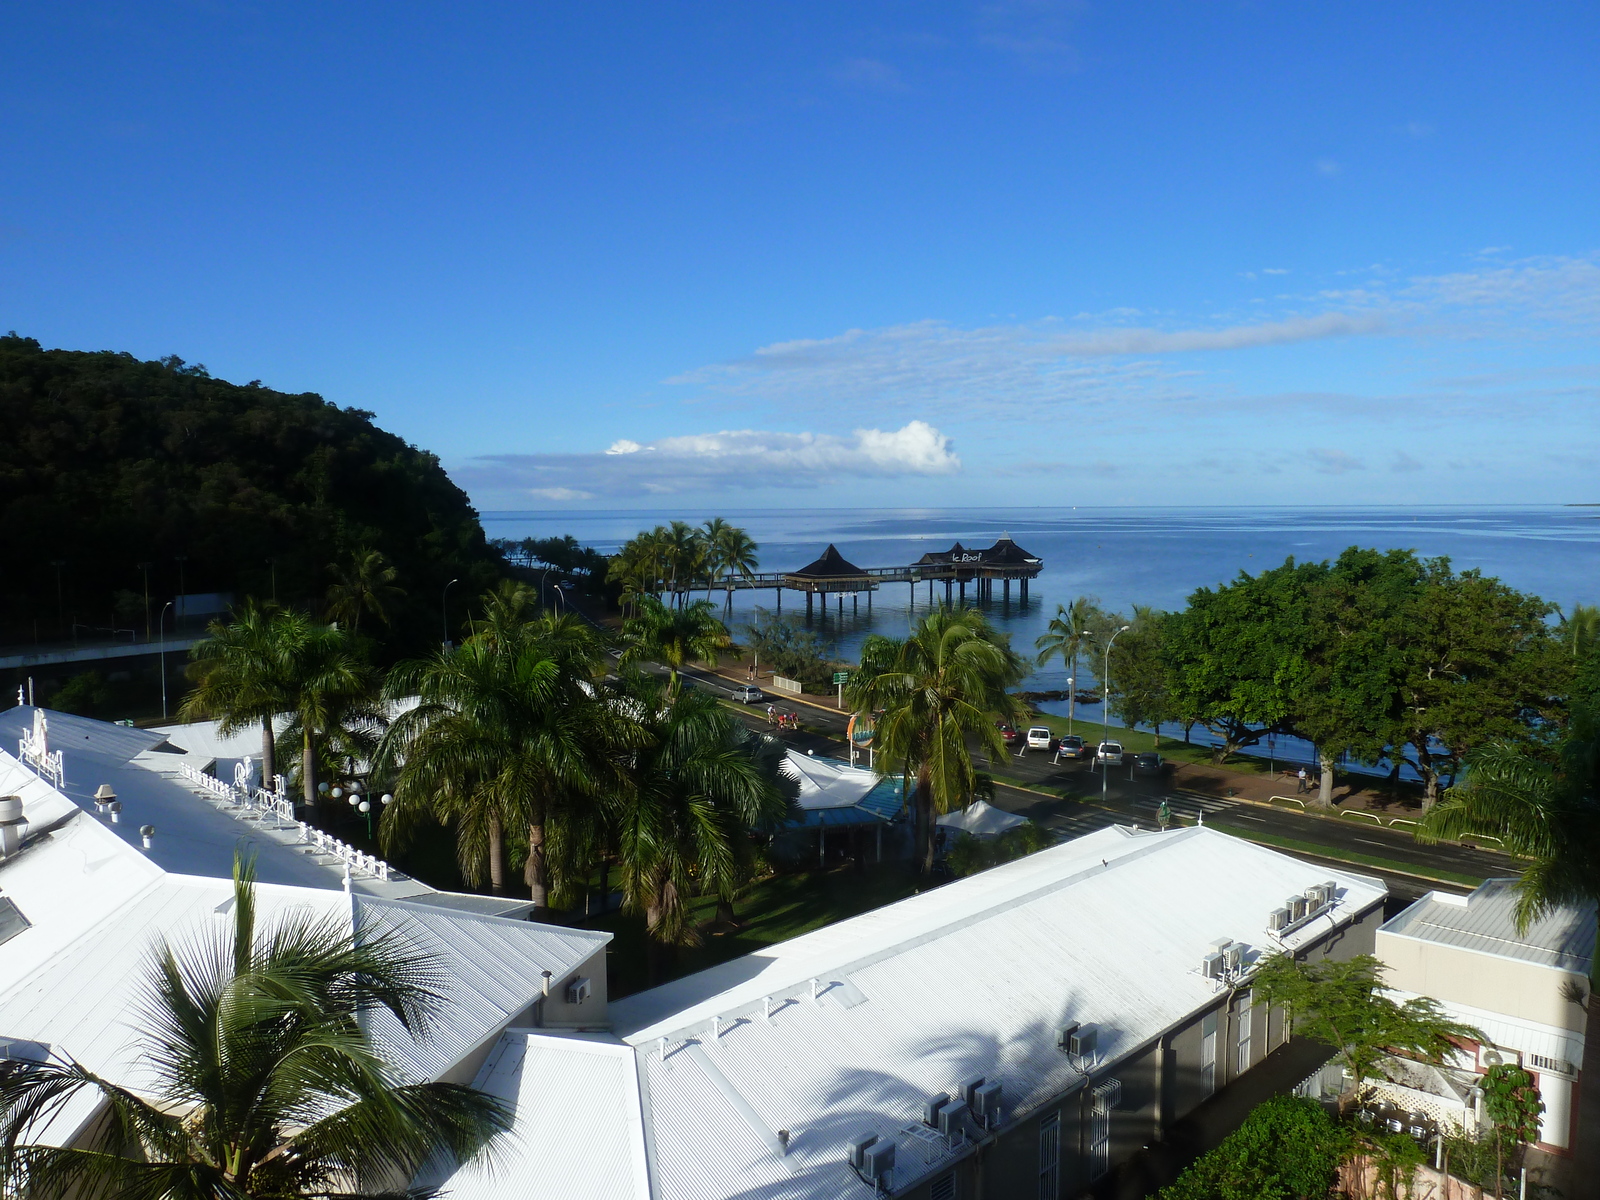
{"points": [[1485, 922], [77, 735], [578, 1133], [970, 979]]}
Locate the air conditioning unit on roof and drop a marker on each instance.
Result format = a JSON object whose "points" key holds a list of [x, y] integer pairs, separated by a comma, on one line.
{"points": [[1084, 1042], [579, 990], [1233, 958], [1277, 919], [952, 1118], [1296, 906], [1211, 965], [878, 1160]]}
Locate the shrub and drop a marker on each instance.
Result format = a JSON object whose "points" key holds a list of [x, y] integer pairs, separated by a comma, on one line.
{"points": [[1287, 1149]]}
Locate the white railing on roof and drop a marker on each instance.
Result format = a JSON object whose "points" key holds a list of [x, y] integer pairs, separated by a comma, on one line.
{"points": [[209, 783], [33, 748], [278, 804], [356, 860]]}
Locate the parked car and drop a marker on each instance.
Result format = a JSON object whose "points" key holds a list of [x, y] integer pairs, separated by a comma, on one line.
{"points": [[749, 695], [1008, 733], [1148, 764], [1039, 738], [1072, 746], [1111, 753]]}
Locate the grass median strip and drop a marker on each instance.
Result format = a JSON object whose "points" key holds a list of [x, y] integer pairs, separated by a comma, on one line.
{"points": [[1340, 854]]}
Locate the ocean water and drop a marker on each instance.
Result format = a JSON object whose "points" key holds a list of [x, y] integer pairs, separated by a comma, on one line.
{"points": [[1120, 556]]}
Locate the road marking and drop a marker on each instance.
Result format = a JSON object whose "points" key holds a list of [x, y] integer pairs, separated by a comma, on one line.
{"points": [[1247, 817], [1380, 845]]}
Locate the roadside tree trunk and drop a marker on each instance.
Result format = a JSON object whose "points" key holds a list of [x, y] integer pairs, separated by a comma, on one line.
{"points": [[925, 822], [497, 857], [1325, 780], [725, 914]]}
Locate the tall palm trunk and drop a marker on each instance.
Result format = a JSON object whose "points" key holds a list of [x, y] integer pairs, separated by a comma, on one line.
{"points": [[536, 872], [924, 796], [308, 770], [269, 752], [497, 857], [1072, 692]]}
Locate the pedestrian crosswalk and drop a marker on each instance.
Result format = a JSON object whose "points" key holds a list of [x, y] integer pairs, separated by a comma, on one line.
{"points": [[1185, 806]]}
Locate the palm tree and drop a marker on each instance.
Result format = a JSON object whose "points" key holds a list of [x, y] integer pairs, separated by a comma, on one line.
{"points": [[1580, 630], [1549, 814], [330, 690], [732, 552], [938, 688], [674, 636], [239, 678], [696, 787], [683, 552], [510, 731], [1070, 631], [365, 586], [264, 1080]]}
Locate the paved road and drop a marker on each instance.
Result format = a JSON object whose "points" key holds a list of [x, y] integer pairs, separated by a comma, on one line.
{"points": [[1130, 800]]}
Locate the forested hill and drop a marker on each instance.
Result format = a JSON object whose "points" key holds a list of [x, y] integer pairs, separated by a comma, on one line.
{"points": [[107, 462]]}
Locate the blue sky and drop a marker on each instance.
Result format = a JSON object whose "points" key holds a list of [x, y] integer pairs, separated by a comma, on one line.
{"points": [[844, 254]]}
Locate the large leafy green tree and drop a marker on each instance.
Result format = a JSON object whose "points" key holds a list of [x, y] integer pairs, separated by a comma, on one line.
{"points": [[240, 676], [1074, 630], [696, 786], [510, 731], [264, 1083], [1236, 655], [1548, 814], [1480, 665], [1343, 1004], [674, 636], [941, 690], [1140, 694]]}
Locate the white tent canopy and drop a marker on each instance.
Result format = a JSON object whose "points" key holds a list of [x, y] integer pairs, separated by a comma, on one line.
{"points": [[981, 819], [827, 782]]}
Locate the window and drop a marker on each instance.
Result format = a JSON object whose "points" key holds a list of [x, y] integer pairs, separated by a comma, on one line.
{"points": [[1106, 1096], [1208, 1053], [944, 1188], [1243, 1061], [12, 922], [1050, 1157]]}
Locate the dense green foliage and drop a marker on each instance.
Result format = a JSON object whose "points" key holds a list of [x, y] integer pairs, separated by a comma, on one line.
{"points": [[1372, 655], [109, 462], [263, 1081], [787, 647], [972, 854], [1344, 1005], [1287, 1149]]}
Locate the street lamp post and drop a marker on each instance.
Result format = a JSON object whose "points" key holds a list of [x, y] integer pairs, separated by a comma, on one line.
{"points": [[444, 611], [1105, 710], [161, 629]]}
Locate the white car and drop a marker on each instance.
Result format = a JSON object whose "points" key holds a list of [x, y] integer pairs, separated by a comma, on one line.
{"points": [[1039, 738], [749, 695], [1111, 753]]}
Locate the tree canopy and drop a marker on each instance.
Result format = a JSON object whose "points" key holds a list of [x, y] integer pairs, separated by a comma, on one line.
{"points": [[110, 462]]}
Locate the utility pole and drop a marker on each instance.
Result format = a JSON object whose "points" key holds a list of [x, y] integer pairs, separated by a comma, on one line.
{"points": [[144, 567]]}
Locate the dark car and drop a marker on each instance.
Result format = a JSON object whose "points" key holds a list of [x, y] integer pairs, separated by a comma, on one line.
{"points": [[1148, 764], [1072, 746]]}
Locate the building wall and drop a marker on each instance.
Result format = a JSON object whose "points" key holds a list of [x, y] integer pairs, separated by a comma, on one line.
{"points": [[1161, 1084], [592, 1012], [1457, 975]]}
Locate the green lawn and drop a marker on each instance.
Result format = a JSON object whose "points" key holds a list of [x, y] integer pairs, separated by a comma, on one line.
{"points": [[1135, 740], [773, 910]]}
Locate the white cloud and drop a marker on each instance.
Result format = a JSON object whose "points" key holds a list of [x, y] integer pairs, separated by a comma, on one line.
{"points": [[737, 458]]}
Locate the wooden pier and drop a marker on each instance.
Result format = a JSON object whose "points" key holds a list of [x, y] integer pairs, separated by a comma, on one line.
{"points": [[833, 574]]}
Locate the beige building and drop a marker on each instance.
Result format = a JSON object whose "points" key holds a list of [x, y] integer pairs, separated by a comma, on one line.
{"points": [[1524, 990]]}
